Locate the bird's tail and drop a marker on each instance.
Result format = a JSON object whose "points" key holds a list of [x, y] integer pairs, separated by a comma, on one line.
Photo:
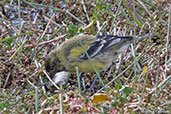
{"points": [[142, 37]]}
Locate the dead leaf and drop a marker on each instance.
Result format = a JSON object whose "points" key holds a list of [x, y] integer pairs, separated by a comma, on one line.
{"points": [[99, 98]]}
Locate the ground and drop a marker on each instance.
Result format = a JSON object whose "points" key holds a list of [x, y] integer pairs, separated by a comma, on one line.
{"points": [[136, 82]]}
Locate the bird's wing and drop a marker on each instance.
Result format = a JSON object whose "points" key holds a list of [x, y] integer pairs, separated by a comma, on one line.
{"points": [[102, 44]]}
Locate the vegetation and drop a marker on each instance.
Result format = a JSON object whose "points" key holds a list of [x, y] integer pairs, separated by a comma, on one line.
{"points": [[138, 81]]}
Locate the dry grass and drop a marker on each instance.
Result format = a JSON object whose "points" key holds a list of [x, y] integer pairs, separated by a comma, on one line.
{"points": [[29, 30]]}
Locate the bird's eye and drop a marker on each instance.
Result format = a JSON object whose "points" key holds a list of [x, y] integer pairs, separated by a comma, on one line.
{"points": [[115, 53], [51, 68]]}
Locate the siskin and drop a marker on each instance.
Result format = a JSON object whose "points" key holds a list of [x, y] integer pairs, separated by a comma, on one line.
{"points": [[101, 49]]}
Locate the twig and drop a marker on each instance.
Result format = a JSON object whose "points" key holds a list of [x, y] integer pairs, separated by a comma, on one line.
{"points": [[42, 43], [161, 84], [46, 27], [85, 10], [6, 80], [50, 79]]}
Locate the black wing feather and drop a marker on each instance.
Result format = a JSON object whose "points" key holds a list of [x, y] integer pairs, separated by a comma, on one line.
{"points": [[102, 44]]}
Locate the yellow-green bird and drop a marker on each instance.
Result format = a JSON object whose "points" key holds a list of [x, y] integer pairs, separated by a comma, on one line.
{"points": [[101, 49]]}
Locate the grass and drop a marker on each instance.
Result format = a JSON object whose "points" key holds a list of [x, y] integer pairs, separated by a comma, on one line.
{"points": [[138, 81]]}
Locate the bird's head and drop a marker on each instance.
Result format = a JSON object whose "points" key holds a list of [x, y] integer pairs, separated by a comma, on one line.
{"points": [[53, 64]]}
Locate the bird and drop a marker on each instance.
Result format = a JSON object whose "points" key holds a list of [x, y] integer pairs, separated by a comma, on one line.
{"points": [[102, 50]]}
